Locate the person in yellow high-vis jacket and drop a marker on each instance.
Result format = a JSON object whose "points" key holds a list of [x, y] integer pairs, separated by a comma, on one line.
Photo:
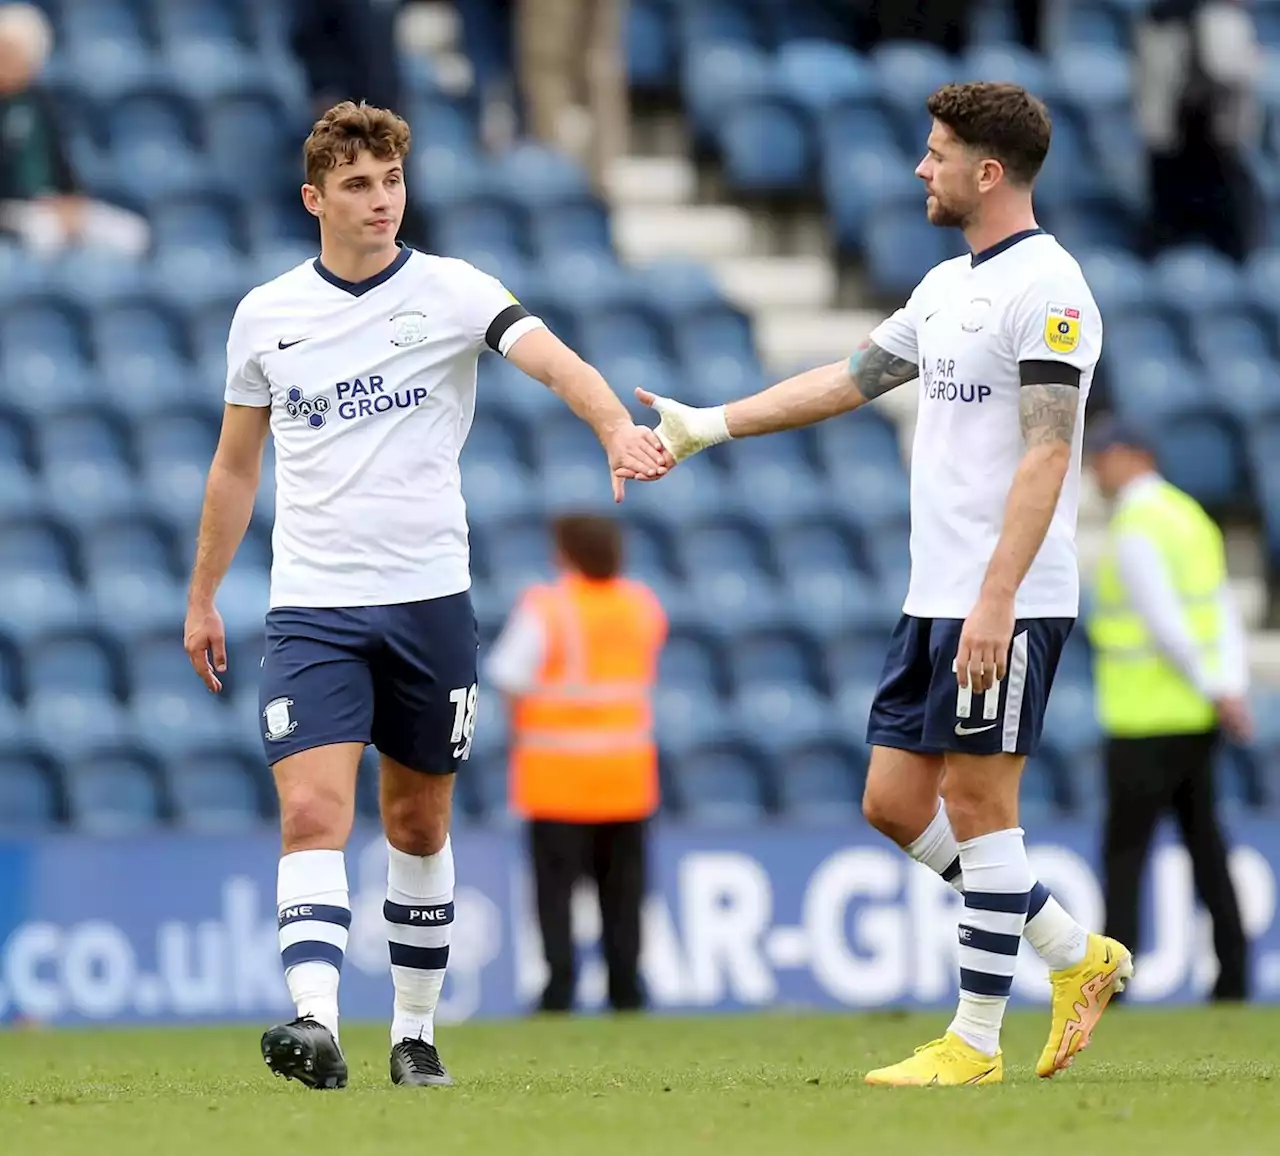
{"points": [[1171, 677]]}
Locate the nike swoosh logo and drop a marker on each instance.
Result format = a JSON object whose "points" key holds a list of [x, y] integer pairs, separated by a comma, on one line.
{"points": [[932, 315], [1107, 957], [963, 730], [291, 344]]}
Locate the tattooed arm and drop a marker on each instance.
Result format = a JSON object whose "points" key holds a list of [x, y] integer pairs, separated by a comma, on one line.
{"points": [[818, 394], [1047, 409]]}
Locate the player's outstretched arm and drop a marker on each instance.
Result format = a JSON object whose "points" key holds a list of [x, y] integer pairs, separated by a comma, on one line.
{"points": [[633, 451], [1047, 412], [228, 504], [807, 398]]}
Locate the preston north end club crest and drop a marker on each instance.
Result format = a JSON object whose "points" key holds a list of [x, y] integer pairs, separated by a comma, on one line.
{"points": [[408, 328]]}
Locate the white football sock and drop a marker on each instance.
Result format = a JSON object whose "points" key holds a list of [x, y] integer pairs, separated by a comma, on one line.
{"points": [[419, 917], [1057, 938], [313, 912], [997, 885]]}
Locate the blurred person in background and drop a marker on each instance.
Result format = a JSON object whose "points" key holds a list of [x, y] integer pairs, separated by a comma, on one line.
{"points": [[577, 664], [1197, 67], [348, 49], [1172, 676], [40, 201], [573, 77]]}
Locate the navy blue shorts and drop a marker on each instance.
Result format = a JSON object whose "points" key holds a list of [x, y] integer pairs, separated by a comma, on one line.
{"points": [[920, 707], [400, 677]]}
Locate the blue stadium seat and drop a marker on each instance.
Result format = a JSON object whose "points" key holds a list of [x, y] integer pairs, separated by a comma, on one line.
{"points": [[533, 175], [778, 715], [826, 601], [676, 287], [560, 438], [93, 277], [1070, 172], [138, 601], [1261, 276], [71, 723], [816, 546], [772, 657], [496, 490], [29, 794], [717, 77], [1193, 279], [859, 180], [1009, 63], [481, 223], [696, 490], [215, 793], [116, 795], [882, 489], [131, 542], [901, 247], [576, 223], [170, 722], [821, 783], [442, 124], [197, 276], [1145, 331], [688, 716], [1071, 731], [208, 69], [37, 545], [651, 45], [34, 600], [576, 486], [1118, 281], [866, 438], [1154, 386], [180, 435], [713, 332], [712, 377], [11, 680], [621, 330], [908, 73], [215, 20], [75, 662], [722, 546], [720, 22], [1093, 76], [691, 658], [734, 600], [1239, 333], [817, 74], [519, 553], [721, 785], [1202, 454], [853, 701], [1094, 223], [204, 220]]}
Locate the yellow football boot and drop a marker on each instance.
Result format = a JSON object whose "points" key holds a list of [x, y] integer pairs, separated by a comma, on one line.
{"points": [[1080, 996], [945, 1063]]}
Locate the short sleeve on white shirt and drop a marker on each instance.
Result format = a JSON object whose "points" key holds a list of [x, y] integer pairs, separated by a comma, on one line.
{"points": [[246, 383], [1056, 319], [489, 313], [896, 334]]}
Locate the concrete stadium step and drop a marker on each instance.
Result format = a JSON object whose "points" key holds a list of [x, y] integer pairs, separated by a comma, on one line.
{"points": [[651, 180], [710, 233], [791, 339], [783, 282]]}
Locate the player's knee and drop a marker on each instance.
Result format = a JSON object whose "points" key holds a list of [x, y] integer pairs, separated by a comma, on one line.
{"points": [[890, 814], [311, 820], [414, 831]]}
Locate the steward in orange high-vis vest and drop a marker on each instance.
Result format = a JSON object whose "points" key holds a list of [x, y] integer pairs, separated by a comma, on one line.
{"points": [[577, 662]]}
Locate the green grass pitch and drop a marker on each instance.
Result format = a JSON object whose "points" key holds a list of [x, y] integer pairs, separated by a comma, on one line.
{"points": [[1167, 1082]]}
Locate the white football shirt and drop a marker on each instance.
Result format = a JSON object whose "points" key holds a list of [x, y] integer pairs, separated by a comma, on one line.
{"points": [[372, 389], [969, 325]]}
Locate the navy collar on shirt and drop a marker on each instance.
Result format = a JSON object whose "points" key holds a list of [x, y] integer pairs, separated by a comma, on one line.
{"points": [[357, 288], [1000, 246]]}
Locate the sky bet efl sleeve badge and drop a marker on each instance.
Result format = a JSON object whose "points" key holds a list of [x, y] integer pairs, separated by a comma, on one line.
{"points": [[1062, 328]]}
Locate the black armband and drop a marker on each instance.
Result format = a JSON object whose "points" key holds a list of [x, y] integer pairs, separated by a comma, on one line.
{"points": [[1048, 373], [500, 324]]}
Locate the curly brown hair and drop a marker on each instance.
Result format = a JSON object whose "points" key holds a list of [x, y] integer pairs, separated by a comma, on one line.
{"points": [[1003, 121], [338, 136]]}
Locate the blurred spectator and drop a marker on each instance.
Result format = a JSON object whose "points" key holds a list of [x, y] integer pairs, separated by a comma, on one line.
{"points": [[1172, 677], [348, 51], [577, 664], [573, 76], [1198, 63], [40, 201]]}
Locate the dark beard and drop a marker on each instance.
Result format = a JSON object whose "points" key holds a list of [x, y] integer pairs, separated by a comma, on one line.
{"points": [[944, 217]]}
